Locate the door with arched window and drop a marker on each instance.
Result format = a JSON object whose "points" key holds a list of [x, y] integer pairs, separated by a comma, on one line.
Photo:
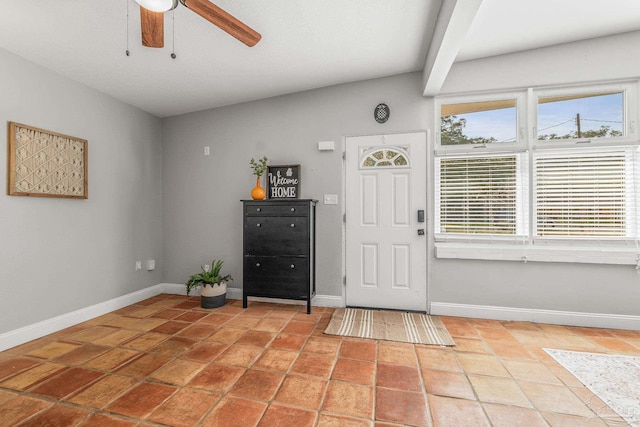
{"points": [[386, 249]]}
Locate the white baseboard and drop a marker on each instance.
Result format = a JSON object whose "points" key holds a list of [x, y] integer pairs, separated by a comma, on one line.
{"points": [[49, 326], [328, 301], [37, 330], [236, 293], [179, 289], [555, 317], [597, 320]]}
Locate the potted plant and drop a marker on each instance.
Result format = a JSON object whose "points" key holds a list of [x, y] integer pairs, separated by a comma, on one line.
{"points": [[259, 167], [214, 285]]}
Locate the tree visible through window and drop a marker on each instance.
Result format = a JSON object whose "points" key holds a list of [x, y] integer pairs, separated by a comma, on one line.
{"points": [[451, 132], [581, 191], [473, 123]]}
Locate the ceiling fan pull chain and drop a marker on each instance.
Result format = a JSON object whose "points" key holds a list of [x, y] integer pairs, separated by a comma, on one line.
{"points": [[127, 51], [173, 35]]}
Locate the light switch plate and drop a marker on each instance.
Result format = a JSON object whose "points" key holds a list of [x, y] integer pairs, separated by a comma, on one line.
{"points": [[330, 199]]}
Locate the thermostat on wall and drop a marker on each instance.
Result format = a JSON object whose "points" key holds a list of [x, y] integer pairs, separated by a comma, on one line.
{"points": [[326, 145]]}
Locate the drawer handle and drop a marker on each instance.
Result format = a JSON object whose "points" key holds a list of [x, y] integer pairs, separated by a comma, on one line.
{"points": [[257, 264], [293, 266], [293, 209], [258, 225], [258, 209], [293, 225]]}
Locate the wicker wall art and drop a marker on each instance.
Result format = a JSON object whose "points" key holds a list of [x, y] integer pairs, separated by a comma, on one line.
{"points": [[45, 164]]}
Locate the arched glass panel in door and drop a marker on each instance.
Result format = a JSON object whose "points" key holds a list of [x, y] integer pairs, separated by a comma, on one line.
{"points": [[384, 157]]}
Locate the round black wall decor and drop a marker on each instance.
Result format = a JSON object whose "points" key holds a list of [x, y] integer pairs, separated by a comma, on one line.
{"points": [[381, 113]]}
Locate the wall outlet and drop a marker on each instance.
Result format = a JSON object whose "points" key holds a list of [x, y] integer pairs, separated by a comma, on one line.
{"points": [[206, 151], [138, 265], [206, 267], [151, 264]]}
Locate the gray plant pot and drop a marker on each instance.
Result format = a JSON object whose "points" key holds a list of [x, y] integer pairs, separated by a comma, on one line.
{"points": [[213, 302], [213, 296]]}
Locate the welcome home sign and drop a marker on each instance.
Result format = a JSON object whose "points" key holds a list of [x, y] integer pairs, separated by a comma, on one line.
{"points": [[283, 182]]}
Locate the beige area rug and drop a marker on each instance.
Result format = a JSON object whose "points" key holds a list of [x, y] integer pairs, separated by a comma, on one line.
{"points": [[615, 379], [389, 325]]}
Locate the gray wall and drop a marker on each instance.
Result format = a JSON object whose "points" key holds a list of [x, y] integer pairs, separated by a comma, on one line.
{"points": [[601, 59], [169, 202], [201, 195], [61, 255], [589, 288]]}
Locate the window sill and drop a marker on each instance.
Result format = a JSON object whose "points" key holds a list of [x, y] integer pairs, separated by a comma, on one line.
{"points": [[588, 255]]}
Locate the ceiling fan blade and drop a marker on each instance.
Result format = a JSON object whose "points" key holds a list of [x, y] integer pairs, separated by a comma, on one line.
{"points": [[152, 24], [225, 21]]}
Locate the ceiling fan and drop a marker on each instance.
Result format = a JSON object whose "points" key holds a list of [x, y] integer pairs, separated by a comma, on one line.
{"points": [[152, 20]]}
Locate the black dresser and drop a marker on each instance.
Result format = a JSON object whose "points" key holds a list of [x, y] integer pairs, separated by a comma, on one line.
{"points": [[279, 249]]}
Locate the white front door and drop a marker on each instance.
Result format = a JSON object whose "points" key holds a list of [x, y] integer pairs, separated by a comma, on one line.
{"points": [[386, 257]]}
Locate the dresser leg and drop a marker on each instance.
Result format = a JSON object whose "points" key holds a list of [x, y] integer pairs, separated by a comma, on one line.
{"points": [[244, 301], [309, 306]]}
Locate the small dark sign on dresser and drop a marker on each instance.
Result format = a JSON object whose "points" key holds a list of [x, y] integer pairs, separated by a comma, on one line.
{"points": [[283, 182]]}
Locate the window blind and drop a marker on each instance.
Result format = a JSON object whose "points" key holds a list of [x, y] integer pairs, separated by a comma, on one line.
{"points": [[481, 195], [586, 193]]}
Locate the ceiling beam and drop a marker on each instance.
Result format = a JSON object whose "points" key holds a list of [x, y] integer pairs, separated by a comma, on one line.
{"points": [[454, 19]]}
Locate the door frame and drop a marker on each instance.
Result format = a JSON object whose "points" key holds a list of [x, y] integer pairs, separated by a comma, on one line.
{"points": [[429, 224]]}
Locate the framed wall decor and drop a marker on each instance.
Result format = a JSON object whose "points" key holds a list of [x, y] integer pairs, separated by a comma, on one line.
{"points": [[45, 164], [283, 182]]}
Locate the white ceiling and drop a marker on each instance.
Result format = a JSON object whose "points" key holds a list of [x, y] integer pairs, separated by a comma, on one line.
{"points": [[506, 26], [305, 44]]}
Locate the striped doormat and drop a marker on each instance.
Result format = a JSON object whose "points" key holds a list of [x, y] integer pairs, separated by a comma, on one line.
{"points": [[389, 325]]}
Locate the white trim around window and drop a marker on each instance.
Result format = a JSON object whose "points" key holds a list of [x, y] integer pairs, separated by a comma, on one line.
{"points": [[598, 222], [629, 112], [519, 125], [528, 253]]}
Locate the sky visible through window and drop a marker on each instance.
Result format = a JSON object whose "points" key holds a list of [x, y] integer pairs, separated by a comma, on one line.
{"points": [[560, 117], [499, 124], [557, 117]]}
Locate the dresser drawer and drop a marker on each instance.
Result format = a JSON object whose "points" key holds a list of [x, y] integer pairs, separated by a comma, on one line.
{"points": [[276, 235], [280, 209], [279, 277]]}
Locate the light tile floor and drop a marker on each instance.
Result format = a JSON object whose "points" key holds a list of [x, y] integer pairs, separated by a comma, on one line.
{"points": [[166, 361]]}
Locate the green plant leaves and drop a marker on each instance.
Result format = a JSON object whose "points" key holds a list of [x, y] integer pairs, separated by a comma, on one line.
{"points": [[209, 277], [260, 166]]}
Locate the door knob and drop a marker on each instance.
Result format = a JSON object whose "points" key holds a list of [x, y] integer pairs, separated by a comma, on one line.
{"points": [[420, 231]]}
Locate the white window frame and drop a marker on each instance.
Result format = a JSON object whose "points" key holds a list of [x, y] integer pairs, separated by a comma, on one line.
{"points": [[531, 248], [521, 115], [629, 90]]}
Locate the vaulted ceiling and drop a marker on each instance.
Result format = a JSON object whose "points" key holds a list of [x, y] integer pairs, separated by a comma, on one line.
{"points": [[305, 44]]}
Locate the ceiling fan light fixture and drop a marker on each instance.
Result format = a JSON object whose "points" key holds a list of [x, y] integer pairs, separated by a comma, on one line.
{"points": [[158, 5]]}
